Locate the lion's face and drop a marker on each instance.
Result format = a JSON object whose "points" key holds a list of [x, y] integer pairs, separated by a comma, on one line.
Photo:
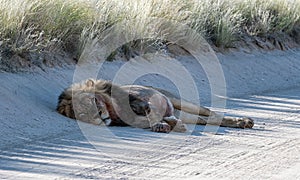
{"points": [[89, 108]]}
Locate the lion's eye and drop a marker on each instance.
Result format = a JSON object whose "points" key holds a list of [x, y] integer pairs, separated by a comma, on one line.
{"points": [[96, 100]]}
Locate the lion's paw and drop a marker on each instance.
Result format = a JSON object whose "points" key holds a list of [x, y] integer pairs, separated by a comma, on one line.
{"points": [[176, 124], [161, 127], [246, 122]]}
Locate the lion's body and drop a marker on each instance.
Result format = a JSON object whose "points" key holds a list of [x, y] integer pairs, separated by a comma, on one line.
{"points": [[95, 101]]}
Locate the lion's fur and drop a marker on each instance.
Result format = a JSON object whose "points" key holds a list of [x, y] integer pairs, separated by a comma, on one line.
{"points": [[65, 105], [138, 113], [139, 106], [97, 88]]}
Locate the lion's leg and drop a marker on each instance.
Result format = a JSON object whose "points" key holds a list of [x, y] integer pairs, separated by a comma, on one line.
{"points": [[202, 115], [155, 125], [164, 126], [185, 106], [225, 121], [167, 125]]}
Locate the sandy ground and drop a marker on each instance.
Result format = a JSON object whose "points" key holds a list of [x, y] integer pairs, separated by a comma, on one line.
{"points": [[38, 143]]}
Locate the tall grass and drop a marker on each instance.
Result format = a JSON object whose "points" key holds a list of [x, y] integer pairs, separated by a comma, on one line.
{"points": [[31, 25], [44, 25]]}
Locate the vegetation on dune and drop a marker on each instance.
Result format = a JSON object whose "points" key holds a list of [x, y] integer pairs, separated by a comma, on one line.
{"points": [[49, 25]]}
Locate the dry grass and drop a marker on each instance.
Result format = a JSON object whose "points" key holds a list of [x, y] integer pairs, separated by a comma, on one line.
{"points": [[44, 25]]}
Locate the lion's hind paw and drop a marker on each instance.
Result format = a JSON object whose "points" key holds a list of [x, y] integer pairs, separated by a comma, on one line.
{"points": [[246, 123]]}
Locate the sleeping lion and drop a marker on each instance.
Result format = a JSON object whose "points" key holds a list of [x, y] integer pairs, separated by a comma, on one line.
{"points": [[100, 101]]}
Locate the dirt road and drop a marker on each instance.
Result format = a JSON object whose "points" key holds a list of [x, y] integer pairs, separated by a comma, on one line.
{"points": [[270, 150], [38, 143]]}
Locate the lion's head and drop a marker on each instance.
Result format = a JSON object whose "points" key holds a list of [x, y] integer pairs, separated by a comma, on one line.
{"points": [[90, 108]]}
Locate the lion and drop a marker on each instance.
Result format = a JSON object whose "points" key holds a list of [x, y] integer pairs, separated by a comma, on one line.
{"points": [[100, 101]]}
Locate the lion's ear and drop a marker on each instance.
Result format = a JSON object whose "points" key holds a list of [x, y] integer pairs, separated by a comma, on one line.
{"points": [[90, 83]]}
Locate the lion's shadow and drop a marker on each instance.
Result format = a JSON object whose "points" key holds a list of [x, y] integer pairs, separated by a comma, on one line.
{"points": [[137, 134]]}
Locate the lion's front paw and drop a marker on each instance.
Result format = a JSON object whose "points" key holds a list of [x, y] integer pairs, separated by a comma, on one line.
{"points": [[161, 127], [176, 124], [246, 122]]}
